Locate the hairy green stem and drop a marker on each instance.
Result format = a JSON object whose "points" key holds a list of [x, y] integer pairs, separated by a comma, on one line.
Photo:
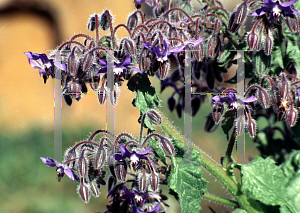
{"points": [[229, 149], [221, 200], [215, 169], [282, 43]]}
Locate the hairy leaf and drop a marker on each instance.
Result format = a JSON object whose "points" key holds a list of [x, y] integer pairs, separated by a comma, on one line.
{"points": [[185, 180]]}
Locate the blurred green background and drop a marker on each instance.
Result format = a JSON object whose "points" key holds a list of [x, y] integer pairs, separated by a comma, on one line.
{"points": [[26, 107]]}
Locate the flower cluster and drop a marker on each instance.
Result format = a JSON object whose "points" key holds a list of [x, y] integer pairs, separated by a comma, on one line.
{"points": [[129, 162]]}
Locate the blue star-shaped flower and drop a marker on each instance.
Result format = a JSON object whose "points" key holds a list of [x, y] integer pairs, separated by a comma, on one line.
{"points": [[61, 169], [118, 68], [275, 8], [134, 157], [232, 100], [43, 63]]}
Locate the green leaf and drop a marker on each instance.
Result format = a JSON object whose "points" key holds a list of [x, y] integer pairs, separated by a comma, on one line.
{"points": [[262, 180], [185, 180], [262, 64], [273, 185], [186, 7], [239, 211]]}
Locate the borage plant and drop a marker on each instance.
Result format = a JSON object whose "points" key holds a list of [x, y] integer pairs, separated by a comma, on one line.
{"points": [[133, 169]]}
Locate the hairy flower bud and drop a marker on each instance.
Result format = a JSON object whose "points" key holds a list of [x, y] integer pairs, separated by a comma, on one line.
{"points": [[99, 158], [214, 46], [121, 170], [94, 82], [241, 13], [92, 22], [88, 60], [240, 123], [82, 166], [102, 95], [142, 182], [292, 23], [153, 116], [94, 188], [218, 110], [251, 126], [268, 45], [198, 52], [232, 25], [72, 63], [132, 21], [252, 40], [83, 191], [163, 71], [264, 98], [154, 180], [291, 116], [105, 19], [167, 146]]}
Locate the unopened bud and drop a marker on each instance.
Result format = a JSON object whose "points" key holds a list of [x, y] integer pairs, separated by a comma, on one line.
{"points": [[153, 179], [92, 22], [121, 170], [252, 40], [83, 191], [167, 146], [102, 95], [292, 23], [82, 166], [240, 123], [218, 110], [264, 98], [251, 126], [132, 21], [104, 21], [291, 116], [214, 46], [72, 63], [163, 70], [142, 182], [153, 116], [268, 45], [88, 60]]}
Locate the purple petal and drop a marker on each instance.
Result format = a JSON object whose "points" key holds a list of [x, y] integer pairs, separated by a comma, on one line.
{"points": [[145, 152], [48, 161], [216, 98], [102, 70], [31, 55], [102, 62], [177, 49], [298, 91], [250, 99], [70, 174], [136, 70], [119, 157], [126, 62], [287, 4], [197, 42], [60, 66], [165, 52], [147, 45], [260, 11]]}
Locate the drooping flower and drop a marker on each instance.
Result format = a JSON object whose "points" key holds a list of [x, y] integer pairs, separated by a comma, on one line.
{"points": [[44, 64], [118, 68], [233, 101], [134, 157], [276, 8], [61, 169]]}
